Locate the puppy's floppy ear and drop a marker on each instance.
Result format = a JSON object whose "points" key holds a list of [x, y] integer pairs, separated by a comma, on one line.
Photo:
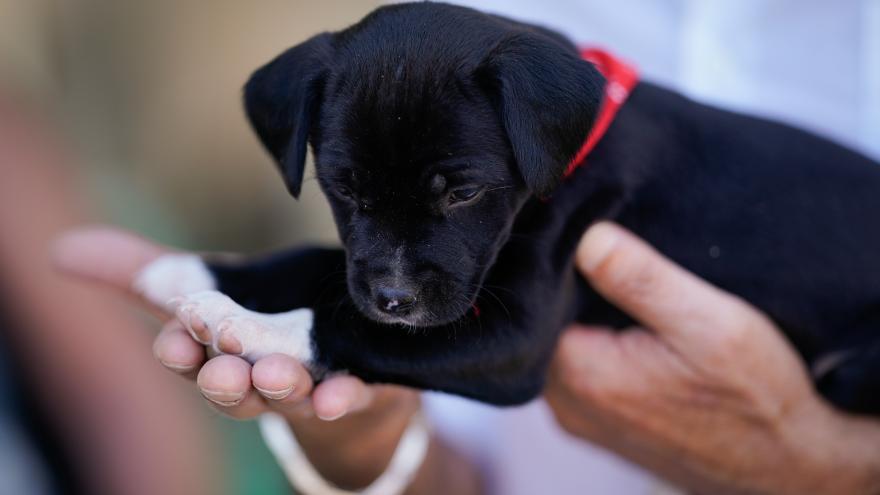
{"points": [[281, 100], [548, 99]]}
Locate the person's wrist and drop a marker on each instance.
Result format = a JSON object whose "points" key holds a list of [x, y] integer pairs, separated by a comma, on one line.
{"points": [[351, 452], [839, 453], [854, 442]]}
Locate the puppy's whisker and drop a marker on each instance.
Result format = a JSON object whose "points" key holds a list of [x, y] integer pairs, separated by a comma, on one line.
{"points": [[499, 188], [498, 287], [488, 292]]}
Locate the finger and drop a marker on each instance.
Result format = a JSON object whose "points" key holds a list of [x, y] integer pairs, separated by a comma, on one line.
{"points": [[282, 381], [105, 255], [175, 349], [571, 414], [226, 382], [585, 359], [589, 361], [597, 363], [586, 350], [652, 289], [340, 395]]}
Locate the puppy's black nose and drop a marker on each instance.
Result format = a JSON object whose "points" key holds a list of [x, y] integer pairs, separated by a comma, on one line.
{"points": [[394, 301]]}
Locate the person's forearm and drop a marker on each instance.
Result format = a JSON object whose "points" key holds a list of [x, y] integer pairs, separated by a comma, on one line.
{"points": [[446, 471]]}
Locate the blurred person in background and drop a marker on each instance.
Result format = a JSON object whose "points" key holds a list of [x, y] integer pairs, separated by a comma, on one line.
{"points": [[756, 56], [83, 406], [66, 424]]}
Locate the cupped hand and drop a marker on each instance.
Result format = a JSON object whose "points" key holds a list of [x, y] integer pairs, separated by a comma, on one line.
{"points": [[707, 393], [343, 424]]}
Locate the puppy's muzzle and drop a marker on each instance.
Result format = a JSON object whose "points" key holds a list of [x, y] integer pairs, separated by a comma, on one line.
{"points": [[394, 301]]}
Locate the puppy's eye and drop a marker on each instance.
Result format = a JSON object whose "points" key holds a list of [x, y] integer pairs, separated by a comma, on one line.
{"points": [[464, 195], [345, 192]]}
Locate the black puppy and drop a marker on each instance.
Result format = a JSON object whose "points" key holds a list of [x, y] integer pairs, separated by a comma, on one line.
{"points": [[441, 136]]}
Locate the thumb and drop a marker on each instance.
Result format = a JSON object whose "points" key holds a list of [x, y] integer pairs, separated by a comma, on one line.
{"points": [[658, 293], [586, 355]]}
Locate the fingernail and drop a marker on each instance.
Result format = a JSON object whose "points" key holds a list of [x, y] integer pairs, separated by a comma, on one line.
{"points": [[229, 344], [223, 398], [599, 241], [198, 326], [332, 418], [177, 367], [275, 394]]}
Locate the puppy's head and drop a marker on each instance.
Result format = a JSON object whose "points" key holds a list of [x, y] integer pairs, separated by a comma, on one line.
{"points": [[431, 125]]}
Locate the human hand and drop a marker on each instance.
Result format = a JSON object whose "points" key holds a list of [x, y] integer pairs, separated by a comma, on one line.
{"points": [[348, 429], [708, 394]]}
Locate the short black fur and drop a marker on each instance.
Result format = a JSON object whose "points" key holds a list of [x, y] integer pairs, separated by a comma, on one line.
{"points": [[437, 130]]}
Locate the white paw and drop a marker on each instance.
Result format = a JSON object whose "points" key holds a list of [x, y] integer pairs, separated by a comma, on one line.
{"points": [[173, 275], [217, 321]]}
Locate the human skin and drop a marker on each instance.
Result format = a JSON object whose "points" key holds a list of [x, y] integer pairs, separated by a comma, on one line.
{"points": [[707, 393], [348, 429], [81, 354]]}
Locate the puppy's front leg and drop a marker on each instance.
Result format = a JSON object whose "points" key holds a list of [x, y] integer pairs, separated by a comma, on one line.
{"points": [[171, 276], [215, 320], [250, 308], [282, 281], [498, 356]]}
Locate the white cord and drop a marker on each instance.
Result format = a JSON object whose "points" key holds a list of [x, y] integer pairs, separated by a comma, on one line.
{"points": [[401, 470]]}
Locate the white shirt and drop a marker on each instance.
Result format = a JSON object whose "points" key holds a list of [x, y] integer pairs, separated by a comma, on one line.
{"points": [[812, 63]]}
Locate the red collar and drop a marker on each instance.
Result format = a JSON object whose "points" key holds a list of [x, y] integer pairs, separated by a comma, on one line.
{"points": [[620, 80]]}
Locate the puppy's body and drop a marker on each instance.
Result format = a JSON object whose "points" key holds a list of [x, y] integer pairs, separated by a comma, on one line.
{"points": [[782, 218]]}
